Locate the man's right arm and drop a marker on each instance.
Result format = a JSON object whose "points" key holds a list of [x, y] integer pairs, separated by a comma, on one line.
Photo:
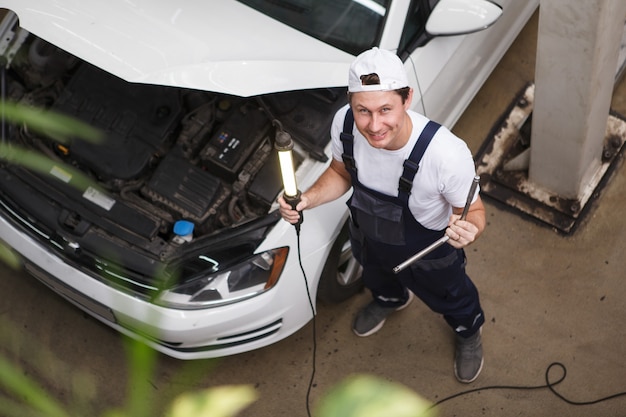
{"points": [[332, 184]]}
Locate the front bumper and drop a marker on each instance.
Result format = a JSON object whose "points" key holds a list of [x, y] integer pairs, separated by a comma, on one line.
{"points": [[182, 334]]}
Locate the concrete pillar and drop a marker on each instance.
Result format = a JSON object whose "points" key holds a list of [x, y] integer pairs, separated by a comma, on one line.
{"points": [[577, 53]]}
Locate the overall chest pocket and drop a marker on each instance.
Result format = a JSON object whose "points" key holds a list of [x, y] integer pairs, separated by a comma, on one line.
{"points": [[381, 221]]}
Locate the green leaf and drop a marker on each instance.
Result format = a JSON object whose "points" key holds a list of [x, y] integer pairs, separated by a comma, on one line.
{"points": [[114, 413], [12, 379], [9, 256], [42, 164], [368, 396], [224, 401], [54, 125], [142, 362]]}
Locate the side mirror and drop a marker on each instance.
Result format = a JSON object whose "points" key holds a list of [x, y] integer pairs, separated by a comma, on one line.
{"points": [[460, 17]]}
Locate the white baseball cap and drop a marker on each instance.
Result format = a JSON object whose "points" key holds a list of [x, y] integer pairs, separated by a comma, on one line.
{"points": [[386, 64]]}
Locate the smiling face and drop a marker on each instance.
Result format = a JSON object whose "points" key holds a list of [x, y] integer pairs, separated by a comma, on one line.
{"points": [[381, 117]]}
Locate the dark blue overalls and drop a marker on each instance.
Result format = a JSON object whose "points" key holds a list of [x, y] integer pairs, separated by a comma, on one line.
{"points": [[384, 233]]}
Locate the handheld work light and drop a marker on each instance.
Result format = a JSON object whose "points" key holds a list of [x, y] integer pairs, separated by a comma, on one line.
{"points": [[284, 145]]}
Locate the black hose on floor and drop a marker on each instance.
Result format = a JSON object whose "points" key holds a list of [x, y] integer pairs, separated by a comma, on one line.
{"points": [[549, 385]]}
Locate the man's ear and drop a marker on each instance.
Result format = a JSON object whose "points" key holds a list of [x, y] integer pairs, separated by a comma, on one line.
{"points": [[409, 99]]}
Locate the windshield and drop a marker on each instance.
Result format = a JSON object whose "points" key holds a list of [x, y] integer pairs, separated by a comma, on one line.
{"points": [[350, 25]]}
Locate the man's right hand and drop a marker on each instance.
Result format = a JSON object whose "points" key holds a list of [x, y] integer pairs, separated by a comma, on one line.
{"points": [[288, 213]]}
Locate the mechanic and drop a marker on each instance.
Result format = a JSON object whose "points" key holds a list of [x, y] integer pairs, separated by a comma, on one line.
{"points": [[397, 209]]}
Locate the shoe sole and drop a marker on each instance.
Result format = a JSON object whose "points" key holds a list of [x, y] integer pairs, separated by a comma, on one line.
{"points": [[380, 325], [371, 332]]}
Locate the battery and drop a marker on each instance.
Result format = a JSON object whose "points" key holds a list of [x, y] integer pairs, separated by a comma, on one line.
{"points": [[234, 141]]}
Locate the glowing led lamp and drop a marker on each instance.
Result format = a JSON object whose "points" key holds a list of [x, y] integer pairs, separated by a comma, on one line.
{"points": [[284, 145], [285, 158]]}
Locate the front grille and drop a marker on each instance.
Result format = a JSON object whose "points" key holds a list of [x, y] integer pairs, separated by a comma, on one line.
{"points": [[124, 279], [70, 294]]}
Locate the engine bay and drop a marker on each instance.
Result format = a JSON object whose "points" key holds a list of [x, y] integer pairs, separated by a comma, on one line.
{"points": [[169, 154]]}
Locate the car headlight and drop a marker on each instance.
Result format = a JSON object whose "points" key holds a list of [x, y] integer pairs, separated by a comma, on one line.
{"points": [[216, 286]]}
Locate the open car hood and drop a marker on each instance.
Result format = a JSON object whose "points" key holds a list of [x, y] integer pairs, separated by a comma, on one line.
{"points": [[218, 45]]}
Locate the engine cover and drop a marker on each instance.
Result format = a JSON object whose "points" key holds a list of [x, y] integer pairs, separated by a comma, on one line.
{"points": [[137, 120], [181, 186]]}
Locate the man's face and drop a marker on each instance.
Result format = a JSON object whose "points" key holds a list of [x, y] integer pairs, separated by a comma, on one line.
{"points": [[381, 117]]}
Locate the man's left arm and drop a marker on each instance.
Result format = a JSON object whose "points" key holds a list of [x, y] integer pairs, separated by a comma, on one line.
{"points": [[464, 232]]}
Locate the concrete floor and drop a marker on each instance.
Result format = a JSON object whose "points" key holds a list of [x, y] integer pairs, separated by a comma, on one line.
{"points": [[547, 298]]}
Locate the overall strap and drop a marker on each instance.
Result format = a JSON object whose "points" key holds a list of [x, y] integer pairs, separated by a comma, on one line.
{"points": [[411, 165], [347, 138]]}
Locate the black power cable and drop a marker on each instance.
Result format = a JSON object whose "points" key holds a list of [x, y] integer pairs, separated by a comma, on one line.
{"points": [[549, 385], [308, 293]]}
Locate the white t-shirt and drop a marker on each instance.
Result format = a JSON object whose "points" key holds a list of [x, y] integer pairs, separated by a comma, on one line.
{"points": [[443, 180]]}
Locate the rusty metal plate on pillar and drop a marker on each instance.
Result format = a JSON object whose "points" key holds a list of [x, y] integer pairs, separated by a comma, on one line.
{"points": [[506, 180]]}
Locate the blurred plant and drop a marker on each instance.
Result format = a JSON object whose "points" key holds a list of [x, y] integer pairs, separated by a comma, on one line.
{"points": [[28, 396], [36, 401], [55, 125], [369, 396]]}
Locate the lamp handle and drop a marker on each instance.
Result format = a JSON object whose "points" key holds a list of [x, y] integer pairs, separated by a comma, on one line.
{"points": [[293, 201]]}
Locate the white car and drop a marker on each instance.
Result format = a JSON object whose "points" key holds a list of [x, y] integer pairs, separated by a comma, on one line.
{"points": [[173, 234]]}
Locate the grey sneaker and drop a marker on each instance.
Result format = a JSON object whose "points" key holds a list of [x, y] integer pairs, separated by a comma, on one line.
{"points": [[371, 318], [468, 361]]}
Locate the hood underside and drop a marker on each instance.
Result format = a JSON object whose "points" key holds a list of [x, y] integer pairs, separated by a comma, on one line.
{"points": [[220, 46]]}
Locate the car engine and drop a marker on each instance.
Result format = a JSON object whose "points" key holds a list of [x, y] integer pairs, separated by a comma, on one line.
{"points": [[168, 154]]}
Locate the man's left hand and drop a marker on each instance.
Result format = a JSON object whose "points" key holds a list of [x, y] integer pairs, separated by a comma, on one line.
{"points": [[461, 232]]}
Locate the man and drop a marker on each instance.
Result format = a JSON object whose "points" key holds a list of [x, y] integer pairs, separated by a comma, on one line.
{"points": [[410, 180]]}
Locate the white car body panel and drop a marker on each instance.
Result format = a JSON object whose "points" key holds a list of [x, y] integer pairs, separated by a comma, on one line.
{"points": [[143, 42], [391, 35], [453, 17]]}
